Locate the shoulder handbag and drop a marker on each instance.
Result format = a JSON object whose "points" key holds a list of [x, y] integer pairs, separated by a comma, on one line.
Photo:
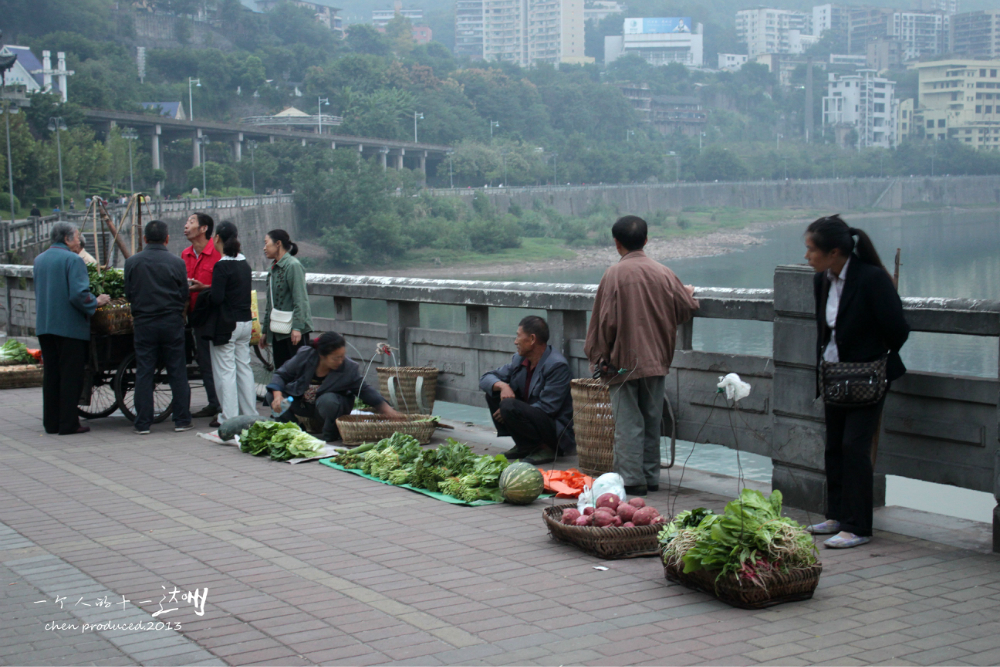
{"points": [[280, 321], [850, 384]]}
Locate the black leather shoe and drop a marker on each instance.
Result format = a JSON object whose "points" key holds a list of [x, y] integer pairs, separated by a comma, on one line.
{"points": [[515, 453], [636, 490], [207, 411]]}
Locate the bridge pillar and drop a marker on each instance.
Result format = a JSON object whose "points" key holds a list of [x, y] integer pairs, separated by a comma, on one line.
{"points": [[384, 166], [799, 440], [423, 162], [238, 147], [402, 315], [397, 159], [196, 149], [155, 152]]}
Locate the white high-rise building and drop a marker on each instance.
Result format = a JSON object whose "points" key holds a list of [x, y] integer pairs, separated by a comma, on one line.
{"points": [[469, 28], [865, 102], [533, 32], [766, 30], [658, 41]]}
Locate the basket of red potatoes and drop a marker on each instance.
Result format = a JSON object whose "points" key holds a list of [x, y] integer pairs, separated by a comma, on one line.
{"points": [[611, 529]]}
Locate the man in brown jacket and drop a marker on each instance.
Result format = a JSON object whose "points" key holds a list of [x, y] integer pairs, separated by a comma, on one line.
{"points": [[631, 338]]}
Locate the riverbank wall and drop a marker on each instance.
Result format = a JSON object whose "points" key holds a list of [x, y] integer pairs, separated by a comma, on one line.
{"points": [[832, 194]]}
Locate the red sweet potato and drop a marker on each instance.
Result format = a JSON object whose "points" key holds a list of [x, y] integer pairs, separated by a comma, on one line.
{"points": [[603, 519], [637, 503], [625, 511], [618, 522], [608, 500], [570, 515], [582, 521], [628, 524], [645, 516]]}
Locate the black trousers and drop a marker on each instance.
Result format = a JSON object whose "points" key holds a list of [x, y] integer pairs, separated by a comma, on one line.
{"points": [[62, 382], [160, 342], [204, 358], [849, 471], [283, 350], [530, 427], [326, 409]]}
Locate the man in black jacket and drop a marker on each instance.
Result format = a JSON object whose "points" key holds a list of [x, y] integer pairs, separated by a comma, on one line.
{"points": [[530, 397], [156, 286]]}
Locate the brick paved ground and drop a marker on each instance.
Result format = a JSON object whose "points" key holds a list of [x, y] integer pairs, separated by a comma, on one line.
{"points": [[306, 565]]}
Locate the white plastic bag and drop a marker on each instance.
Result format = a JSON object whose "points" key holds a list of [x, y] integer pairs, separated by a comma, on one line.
{"points": [[735, 388], [609, 482]]}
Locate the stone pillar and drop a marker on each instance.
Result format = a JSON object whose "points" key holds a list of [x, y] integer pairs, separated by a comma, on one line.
{"points": [[423, 163], [333, 145], [477, 320], [155, 153], [270, 139], [564, 326], [111, 128], [238, 147], [344, 308], [196, 149], [402, 315], [799, 441], [399, 159], [384, 165]]}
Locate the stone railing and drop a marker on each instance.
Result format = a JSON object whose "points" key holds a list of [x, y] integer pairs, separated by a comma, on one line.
{"points": [[938, 428]]}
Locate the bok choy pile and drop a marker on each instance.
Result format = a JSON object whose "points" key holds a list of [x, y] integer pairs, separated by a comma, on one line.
{"points": [[750, 540]]}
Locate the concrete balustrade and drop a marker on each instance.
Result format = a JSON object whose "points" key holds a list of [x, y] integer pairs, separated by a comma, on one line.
{"points": [[937, 427]]}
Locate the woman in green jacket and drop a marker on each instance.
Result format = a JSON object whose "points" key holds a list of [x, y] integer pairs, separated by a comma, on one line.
{"points": [[286, 280]]}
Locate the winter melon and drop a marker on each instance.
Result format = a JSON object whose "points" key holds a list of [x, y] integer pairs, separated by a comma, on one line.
{"points": [[521, 483], [233, 427]]}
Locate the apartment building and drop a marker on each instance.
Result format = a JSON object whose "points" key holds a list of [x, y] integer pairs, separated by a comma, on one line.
{"points": [[731, 62], [976, 34], [598, 10], [469, 28], [946, 6], [921, 33], [766, 30], [381, 17], [658, 41], [884, 53], [534, 32], [960, 100], [322, 11], [866, 103], [829, 17]]}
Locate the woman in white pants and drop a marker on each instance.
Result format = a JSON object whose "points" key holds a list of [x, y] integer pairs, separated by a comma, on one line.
{"points": [[230, 296]]}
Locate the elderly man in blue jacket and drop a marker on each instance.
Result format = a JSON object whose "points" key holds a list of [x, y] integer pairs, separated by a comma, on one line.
{"points": [[530, 397], [63, 307]]}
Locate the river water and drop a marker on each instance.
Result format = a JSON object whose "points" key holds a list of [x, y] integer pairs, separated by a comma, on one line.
{"points": [[953, 254]]}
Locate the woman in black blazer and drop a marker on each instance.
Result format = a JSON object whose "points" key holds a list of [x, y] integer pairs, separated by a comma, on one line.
{"points": [[233, 323], [859, 317]]}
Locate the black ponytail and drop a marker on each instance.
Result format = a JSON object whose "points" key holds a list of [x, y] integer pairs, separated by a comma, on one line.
{"points": [[229, 236], [281, 237], [832, 232]]}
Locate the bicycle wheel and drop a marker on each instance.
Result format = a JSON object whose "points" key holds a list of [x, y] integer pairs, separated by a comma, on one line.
{"points": [[262, 364], [103, 401], [125, 391]]}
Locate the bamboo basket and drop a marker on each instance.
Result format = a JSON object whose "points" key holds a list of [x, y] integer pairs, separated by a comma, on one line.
{"points": [[112, 319], [780, 587], [399, 386], [359, 429], [21, 377], [609, 543], [594, 425]]}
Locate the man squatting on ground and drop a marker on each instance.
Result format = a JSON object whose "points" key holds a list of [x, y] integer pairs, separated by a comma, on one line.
{"points": [[530, 397], [631, 339]]}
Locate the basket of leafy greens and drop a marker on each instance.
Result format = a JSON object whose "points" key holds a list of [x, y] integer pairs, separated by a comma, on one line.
{"points": [[750, 556], [116, 317]]}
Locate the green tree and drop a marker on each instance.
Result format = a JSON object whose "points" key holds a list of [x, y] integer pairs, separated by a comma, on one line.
{"points": [[399, 31], [720, 164], [363, 38]]}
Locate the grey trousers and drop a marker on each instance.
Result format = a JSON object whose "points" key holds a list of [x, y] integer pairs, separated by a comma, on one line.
{"points": [[638, 409]]}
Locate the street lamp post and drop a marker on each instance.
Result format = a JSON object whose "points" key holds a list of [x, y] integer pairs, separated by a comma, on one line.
{"points": [[320, 101], [253, 167], [493, 123], [503, 155], [57, 125], [130, 135], [7, 111], [555, 169], [197, 84], [204, 154], [451, 171], [416, 116]]}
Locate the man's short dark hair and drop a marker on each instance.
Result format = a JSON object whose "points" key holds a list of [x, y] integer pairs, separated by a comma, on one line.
{"points": [[156, 231], [535, 325], [205, 220], [630, 231]]}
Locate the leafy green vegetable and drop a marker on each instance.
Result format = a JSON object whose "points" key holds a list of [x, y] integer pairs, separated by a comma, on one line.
{"points": [[452, 468], [108, 281], [15, 351], [282, 441], [749, 540]]}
